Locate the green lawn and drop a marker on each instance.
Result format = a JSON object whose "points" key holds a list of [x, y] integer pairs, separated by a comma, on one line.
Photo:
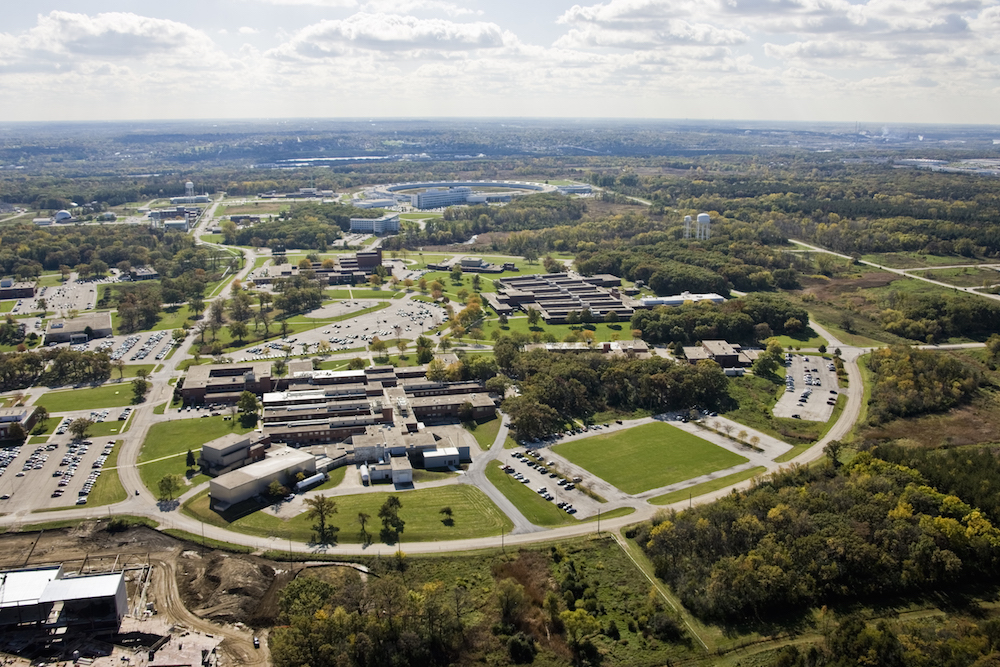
{"points": [[173, 439], [807, 339], [473, 514], [108, 488], [648, 456], [7, 306], [50, 280], [753, 401], [171, 317], [706, 487], [106, 396], [110, 427], [484, 432], [535, 509]]}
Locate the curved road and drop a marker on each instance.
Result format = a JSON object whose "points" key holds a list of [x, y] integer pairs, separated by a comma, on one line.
{"points": [[524, 532]]}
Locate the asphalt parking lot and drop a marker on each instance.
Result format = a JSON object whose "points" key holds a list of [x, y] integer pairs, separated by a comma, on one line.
{"points": [[810, 374], [413, 318], [534, 467], [52, 474]]}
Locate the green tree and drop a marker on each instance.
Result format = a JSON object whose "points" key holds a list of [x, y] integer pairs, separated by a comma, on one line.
{"points": [[139, 389], [190, 460], [579, 625], [322, 508], [16, 432], [247, 402], [79, 427], [533, 317], [392, 525], [169, 485], [363, 520]]}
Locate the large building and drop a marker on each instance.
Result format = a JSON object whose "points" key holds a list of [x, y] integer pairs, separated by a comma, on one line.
{"points": [[14, 290], [281, 465], [556, 295], [319, 407], [223, 383], [47, 597], [679, 299], [386, 224], [230, 452], [79, 329], [727, 355]]}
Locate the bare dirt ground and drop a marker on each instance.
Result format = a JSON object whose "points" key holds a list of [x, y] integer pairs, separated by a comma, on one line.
{"points": [[202, 598]]}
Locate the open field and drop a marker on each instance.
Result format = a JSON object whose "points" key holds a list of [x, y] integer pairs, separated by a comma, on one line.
{"points": [[170, 442], [648, 456], [706, 487], [910, 260], [107, 396], [252, 208], [807, 339], [484, 432], [473, 515], [171, 317], [965, 277]]}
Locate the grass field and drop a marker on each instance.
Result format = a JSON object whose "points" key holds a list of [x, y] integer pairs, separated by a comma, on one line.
{"points": [[807, 339], [107, 396], [706, 487], [969, 276], [535, 509], [473, 515], [171, 317], [648, 456], [386, 293], [484, 432], [173, 439], [754, 399], [7, 306], [108, 488], [910, 260]]}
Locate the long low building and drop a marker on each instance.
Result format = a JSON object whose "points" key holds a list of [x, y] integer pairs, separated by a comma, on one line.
{"points": [[388, 223], [557, 295], [224, 383]]}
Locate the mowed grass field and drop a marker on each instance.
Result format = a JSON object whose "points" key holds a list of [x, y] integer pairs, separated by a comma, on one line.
{"points": [[473, 514], [648, 456], [165, 450], [108, 396]]}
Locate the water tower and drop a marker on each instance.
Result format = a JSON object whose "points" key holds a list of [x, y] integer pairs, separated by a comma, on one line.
{"points": [[189, 189], [687, 226], [704, 226]]}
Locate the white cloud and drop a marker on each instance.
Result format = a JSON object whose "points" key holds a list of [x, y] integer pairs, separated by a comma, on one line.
{"points": [[391, 33], [315, 3], [409, 6], [247, 30]]}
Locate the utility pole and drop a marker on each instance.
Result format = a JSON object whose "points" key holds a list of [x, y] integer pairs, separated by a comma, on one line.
{"points": [[598, 521]]}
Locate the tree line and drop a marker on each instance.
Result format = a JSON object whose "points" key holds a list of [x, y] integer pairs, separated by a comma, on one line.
{"points": [[807, 537]]}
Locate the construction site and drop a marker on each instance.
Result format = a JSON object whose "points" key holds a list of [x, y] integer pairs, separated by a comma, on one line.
{"points": [[186, 604]]}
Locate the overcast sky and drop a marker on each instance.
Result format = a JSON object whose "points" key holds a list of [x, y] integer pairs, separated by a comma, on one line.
{"points": [[844, 60]]}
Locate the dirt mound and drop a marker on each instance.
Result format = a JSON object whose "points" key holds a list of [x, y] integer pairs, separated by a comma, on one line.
{"points": [[222, 587]]}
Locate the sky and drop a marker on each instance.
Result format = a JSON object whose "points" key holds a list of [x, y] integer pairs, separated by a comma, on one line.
{"points": [[906, 61]]}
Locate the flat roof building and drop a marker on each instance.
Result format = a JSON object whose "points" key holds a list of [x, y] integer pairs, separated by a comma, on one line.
{"points": [[9, 289], [386, 224], [281, 465], [223, 383], [79, 329], [47, 597]]}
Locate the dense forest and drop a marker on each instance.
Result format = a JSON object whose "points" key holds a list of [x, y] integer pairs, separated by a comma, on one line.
{"points": [[558, 388], [807, 537], [308, 225], [754, 317], [910, 381]]}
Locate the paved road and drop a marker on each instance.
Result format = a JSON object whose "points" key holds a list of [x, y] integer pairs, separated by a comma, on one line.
{"points": [[902, 272]]}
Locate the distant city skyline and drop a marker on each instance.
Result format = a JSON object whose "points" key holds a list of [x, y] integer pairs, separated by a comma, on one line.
{"points": [[893, 61]]}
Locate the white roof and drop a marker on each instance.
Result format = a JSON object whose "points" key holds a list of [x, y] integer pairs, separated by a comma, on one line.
{"points": [[19, 587], [276, 462], [82, 588], [447, 451]]}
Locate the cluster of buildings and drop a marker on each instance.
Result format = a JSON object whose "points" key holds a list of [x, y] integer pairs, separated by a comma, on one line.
{"points": [[60, 218], [179, 218], [372, 418], [347, 270], [190, 197], [556, 295], [731, 356]]}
